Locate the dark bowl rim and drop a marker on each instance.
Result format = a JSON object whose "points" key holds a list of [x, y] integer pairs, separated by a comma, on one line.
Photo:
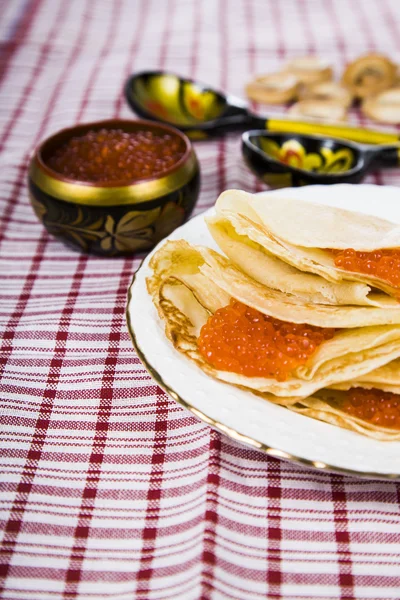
{"points": [[113, 123], [313, 175]]}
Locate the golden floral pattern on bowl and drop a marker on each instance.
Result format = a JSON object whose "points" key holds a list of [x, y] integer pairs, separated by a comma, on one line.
{"points": [[115, 230]]}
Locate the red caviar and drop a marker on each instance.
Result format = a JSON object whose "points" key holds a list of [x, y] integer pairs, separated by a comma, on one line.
{"points": [[384, 264], [374, 406], [116, 155], [243, 340]]}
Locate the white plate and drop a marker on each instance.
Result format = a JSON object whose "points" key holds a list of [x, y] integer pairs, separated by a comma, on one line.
{"points": [[242, 415]]}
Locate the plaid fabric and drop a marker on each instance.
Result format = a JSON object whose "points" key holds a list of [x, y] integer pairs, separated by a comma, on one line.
{"points": [[108, 488]]}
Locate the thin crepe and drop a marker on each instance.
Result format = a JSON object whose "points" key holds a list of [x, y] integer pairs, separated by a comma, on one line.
{"points": [[185, 294], [300, 233], [386, 378], [324, 405], [289, 307], [266, 268]]}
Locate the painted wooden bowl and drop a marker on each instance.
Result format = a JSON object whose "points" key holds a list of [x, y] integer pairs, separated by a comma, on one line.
{"points": [[122, 217]]}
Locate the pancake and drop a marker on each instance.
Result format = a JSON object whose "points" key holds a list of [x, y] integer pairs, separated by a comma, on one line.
{"points": [[324, 405], [189, 284], [280, 273], [289, 307], [386, 378], [245, 250], [304, 234]]}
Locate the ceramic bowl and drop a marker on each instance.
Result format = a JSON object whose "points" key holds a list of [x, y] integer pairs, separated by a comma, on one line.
{"points": [[113, 218]]}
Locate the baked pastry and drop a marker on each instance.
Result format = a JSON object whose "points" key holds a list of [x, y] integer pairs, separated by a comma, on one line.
{"points": [[385, 107], [370, 74], [277, 88], [327, 91], [321, 110], [309, 69]]}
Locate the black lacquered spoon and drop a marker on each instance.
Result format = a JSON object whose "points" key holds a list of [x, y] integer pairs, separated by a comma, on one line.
{"points": [[285, 160], [203, 112]]}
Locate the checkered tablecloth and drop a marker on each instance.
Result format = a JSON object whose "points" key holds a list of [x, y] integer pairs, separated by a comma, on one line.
{"points": [[109, 489]]}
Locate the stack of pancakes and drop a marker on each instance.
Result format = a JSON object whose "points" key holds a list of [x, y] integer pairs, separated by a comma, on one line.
{"points": [[279, 259]]}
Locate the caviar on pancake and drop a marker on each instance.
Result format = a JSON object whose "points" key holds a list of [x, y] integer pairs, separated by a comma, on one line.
{"points": [[109, 155], [384, 264], [374, 406], [243, 340]]}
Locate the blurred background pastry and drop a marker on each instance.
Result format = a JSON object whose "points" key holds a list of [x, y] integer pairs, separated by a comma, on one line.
{"points": [[309, 69], [277, 88], [373, 79], [318, 109], [369, 74], [327, 91], [384, 107]]}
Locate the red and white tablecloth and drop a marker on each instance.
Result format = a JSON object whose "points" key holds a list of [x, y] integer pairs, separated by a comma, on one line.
{"points": [[109, 489]]}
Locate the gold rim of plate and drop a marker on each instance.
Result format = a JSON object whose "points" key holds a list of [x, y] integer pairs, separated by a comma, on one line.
{"points": [[229, 431], [79, 193]]}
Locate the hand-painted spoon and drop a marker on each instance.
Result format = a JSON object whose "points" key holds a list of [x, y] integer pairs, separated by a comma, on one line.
{"points": [[285, 160], [203, 112]]}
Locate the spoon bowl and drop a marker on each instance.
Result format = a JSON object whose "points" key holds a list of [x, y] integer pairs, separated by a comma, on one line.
{"points": [[187, 104], [284, 160]]}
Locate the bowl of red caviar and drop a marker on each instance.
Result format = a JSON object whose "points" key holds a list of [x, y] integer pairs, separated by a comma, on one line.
{"points": [[114, 187]]}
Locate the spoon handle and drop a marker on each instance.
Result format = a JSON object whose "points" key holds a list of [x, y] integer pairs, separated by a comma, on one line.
{"points": [[355, 134], [385, 156]]}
